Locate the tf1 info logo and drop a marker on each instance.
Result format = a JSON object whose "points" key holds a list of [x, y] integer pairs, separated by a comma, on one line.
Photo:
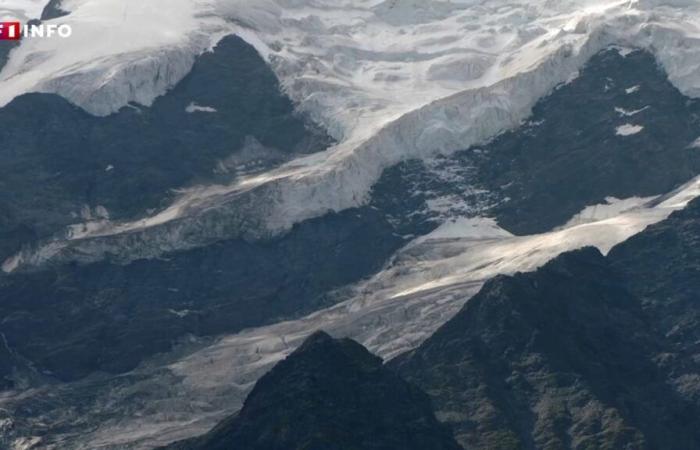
{"points": [[14, 31]]}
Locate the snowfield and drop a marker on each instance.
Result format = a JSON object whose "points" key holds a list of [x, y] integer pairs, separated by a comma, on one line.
{"points": [[628, 129]]}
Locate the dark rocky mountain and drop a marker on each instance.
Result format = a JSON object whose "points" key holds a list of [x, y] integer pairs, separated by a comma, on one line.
{"points": [[568, 154], [329, 395], [662, 266], [7, 366], [53, 10], [60, 165], [562, 358], [572, 156], [72, 319], [588, 352]]}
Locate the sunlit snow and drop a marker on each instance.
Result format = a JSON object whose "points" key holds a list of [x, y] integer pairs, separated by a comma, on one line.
{"points": [[628, 129], [193, 108], [22, 10], [627, 113]]}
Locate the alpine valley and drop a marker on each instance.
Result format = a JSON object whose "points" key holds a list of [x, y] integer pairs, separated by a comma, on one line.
{"points": [[351, 224]]}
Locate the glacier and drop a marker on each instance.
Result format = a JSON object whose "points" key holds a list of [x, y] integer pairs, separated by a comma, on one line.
{"points": [[185, 393], [119, 52], [390, 80], [473, 70]]}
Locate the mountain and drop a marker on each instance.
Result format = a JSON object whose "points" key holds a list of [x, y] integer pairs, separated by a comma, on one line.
{"points": [[568, 155], [53, 10], [189, 188], [351, 78], [662, 266], [564, 357], [106, 329], [586, 352], [73, 319], [329, 395], [227, 117]]}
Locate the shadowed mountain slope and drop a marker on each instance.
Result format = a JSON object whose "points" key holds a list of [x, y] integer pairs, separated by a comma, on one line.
{"points": [[562, 358], [329, 395]]}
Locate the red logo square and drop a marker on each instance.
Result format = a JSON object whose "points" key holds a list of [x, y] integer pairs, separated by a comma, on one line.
{"points": [[10, 31]]}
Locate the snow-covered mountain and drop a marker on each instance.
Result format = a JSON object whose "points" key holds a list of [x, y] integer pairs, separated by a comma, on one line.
{"points": [[470, 139], [473, 70]]}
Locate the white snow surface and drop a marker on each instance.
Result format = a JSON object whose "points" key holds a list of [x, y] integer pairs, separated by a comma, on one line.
{"points": [[194, 107], [611, 208], [627, 113], [21, 10], [425, 284], [628, 129], [391, 80], [120, 51]]}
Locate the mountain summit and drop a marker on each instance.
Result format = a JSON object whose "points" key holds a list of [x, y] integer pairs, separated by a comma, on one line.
{"points": [[329, 395]]}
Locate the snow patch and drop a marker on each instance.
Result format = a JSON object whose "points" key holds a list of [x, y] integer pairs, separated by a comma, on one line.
{"points": [[180, 313], [611, 208], [625, 51], [193, 107], [467, 228], [627, 113], [628, 129], [26, 443]]}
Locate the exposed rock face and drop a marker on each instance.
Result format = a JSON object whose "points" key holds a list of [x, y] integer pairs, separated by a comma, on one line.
{"points": [[568, 155], [60, 165], [578, 137], [73, 320], [329, 395], [562, 358], [662, 266], [7, 365], [53, 10]]}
